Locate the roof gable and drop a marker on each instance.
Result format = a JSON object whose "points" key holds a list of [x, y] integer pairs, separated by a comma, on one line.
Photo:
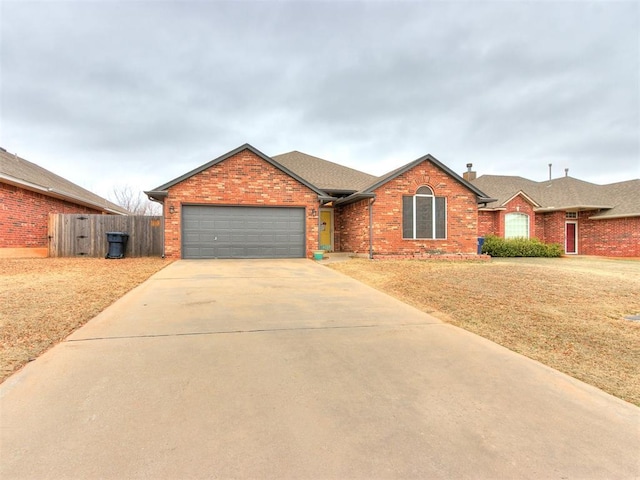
{"points": [[522, 194], [25, 174], [368, 191], [504, 188], [161, 191]]}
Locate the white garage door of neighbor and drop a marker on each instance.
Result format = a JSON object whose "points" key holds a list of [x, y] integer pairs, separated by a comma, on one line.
{"points": [[242, 232]]}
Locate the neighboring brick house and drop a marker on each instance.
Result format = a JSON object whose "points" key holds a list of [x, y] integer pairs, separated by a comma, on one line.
{"points": [[245, 204], [28, 194], [585, 218]]}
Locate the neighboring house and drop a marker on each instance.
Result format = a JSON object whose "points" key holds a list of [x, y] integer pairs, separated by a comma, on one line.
{"points": [[28, 194], [585, 218], [245, 204]]}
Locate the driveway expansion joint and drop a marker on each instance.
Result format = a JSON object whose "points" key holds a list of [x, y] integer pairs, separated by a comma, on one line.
{"points": [[257, 330]]}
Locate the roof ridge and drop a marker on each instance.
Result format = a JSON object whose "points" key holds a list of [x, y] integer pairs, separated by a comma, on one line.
{"points": [[325, 174], [323, 159]]}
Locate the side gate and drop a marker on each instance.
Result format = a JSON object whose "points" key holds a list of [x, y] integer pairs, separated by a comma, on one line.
{"points": [[82, 243], [75, 235]]}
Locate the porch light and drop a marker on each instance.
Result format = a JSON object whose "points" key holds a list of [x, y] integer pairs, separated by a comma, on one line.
{"points": [[172, 209]]}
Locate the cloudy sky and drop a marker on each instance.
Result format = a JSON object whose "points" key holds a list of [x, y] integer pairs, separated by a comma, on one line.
{"points": [[109, 93]]}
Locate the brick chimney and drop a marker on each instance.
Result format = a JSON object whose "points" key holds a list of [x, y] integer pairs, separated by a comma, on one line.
{"points": [[469, 174]]}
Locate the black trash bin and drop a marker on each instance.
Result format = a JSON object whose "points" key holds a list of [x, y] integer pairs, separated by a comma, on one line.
{"points": [[117, 244], [480, 245]]}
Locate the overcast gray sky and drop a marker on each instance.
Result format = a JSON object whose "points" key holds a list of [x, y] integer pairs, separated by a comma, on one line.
{"points": [[107, 93]]}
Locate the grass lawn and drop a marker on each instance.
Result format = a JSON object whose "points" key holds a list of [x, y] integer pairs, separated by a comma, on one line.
{"points": [[43, 300], [567, 313]]}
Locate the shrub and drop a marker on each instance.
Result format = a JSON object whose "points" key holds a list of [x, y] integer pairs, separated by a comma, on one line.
{"points": [[519, 247]]}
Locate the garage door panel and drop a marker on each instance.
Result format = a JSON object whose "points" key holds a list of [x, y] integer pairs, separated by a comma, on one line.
{"points": [[221, 252], [242, 232], [238, 252]]}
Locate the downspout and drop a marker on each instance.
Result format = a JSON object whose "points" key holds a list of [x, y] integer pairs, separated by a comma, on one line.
{"points": [[320, 204], [371, 202], [164, 232]]}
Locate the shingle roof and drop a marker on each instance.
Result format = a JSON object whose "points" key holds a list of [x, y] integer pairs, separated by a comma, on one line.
{"points": [[326, 175], [18, 171], [626, 196], [328, 179], [566, 193]]}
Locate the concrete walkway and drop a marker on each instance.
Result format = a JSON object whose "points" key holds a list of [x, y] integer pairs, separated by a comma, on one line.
{"points": [[287, 369]]}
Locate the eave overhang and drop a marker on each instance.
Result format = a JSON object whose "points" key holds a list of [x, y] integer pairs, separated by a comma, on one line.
{"points": [[338, 192], [573, 208], [491, 209], [52, 192], [355, 198], [613, 217], [157, 195]]}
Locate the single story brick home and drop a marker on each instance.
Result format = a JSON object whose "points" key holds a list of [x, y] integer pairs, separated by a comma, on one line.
{"points": [[245, 204], [28, 194], [586, 218]]}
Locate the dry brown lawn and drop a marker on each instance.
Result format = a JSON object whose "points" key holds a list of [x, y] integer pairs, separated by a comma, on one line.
{"points": [[567, 313], [43, 300]]}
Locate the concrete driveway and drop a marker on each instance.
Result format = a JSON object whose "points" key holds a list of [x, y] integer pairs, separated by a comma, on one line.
{"points": [[287, 369]]}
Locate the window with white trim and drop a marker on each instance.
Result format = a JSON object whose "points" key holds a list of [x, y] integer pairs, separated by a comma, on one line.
{"points": [[516, 225], [571, 215], [424, 216]]}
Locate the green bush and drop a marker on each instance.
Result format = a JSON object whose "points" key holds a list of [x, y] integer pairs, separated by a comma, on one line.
{"points": [[519, 247]]}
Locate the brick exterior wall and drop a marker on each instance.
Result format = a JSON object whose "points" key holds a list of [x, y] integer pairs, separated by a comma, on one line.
{"points": [[462, 217], [352, 227], [243, 179], [617, 237], [488, 223], [24, 216], [553, 228], [613, 238]]}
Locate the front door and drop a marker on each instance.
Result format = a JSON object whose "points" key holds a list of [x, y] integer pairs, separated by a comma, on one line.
{"points": [[571, 237], [326, 230]]}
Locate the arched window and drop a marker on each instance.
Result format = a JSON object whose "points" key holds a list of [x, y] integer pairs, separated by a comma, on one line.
{"points": [[424, 215], [516, 225]]}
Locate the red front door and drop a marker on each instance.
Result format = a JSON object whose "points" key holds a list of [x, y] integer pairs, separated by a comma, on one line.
{"points": [[570, 241]]}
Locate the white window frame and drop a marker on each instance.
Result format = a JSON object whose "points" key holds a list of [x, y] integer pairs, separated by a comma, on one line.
{"points": [[520, 215], [433, 216]]}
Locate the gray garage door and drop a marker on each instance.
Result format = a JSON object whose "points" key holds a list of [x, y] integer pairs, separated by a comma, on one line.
{"points": [[242, 232]]}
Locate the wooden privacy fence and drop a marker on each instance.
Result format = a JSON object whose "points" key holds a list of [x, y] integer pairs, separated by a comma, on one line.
{"points": [[72, 235]]}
